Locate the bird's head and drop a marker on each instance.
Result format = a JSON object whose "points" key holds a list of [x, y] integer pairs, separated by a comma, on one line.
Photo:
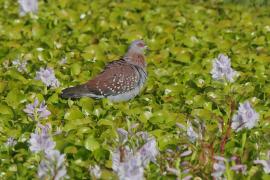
{"points": [[137, 46]]}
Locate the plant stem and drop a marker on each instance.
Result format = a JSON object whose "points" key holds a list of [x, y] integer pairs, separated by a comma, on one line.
{"points": [[228, 130]]}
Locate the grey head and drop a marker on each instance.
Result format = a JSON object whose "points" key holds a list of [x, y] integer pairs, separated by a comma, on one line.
{"points": [[137, 46]]}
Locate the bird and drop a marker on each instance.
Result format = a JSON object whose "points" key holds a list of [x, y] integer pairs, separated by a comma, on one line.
{"points": [[121, 80]]}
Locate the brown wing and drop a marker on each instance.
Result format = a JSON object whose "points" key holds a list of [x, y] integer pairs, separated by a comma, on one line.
{"points": [[117, 77]]}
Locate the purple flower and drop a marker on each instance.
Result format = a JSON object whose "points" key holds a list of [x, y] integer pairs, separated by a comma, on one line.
{"points": [[27, 6], [41, 140], [173, 170], [95, 171], [123, 135], [10, 142], [239, 168], [37, 112], [219, 167], [192, 135], [222, 69], [116, 159], [20, 65], [148, 152], [47, 77], [144, 135], [186, 153], [246, 117], [265, 163], [130, 168], [52, 166], [130, 165]]}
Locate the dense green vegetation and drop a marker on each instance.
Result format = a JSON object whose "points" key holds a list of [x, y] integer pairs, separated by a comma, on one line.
{"points": [[77, 38]]}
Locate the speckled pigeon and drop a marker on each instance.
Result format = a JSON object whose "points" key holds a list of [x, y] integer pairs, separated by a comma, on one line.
{"points": [[121, 80]]}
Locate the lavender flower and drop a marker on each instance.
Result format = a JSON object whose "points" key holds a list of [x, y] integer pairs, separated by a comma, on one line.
{"points": [[10, 142], [37, 112], [173, 170], [20, 65], [27, 6], [222, 69], [123, 135], [239, 168], [130, 165], [47, 77], [131, 169], [117, 159], [95, 171], [219, 167], [186, 153], [41, 140], [148, 152], [265, 163], [192, 135], [58, 131], [52, 166], [144, 135], [246, 117]]}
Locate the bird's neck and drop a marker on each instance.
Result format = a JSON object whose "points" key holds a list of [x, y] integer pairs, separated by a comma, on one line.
{"points": [[135, 58]]}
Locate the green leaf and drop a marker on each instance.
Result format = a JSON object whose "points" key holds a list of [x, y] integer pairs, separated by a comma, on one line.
{"points": [[71, 150], [73, 113], [6, 110], [3, 85], [91, 143], [14, 98], [75, 69]]}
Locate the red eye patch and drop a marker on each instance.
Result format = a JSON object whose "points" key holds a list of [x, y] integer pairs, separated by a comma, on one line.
{"points": [[140, 44]]}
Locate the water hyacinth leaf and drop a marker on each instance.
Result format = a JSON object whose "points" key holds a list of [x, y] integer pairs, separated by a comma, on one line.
{"points": [[75, 69], [3, 86], [16, 75], [105, 122], [6, 110], [73, 113], [86, 102], [101, 154], [84, 130], [53, 99], [91, 143], [14, 98], [165, 140], [202, 113], [70, 150]]}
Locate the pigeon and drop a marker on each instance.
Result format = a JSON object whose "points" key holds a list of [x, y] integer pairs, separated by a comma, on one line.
{"points": [[121, 80]]}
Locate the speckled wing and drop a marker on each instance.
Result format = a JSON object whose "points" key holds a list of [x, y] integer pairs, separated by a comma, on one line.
{"points": [[118, 77]]}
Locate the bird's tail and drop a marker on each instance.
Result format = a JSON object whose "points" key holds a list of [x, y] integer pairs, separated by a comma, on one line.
{"points": [[75, 92]]}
